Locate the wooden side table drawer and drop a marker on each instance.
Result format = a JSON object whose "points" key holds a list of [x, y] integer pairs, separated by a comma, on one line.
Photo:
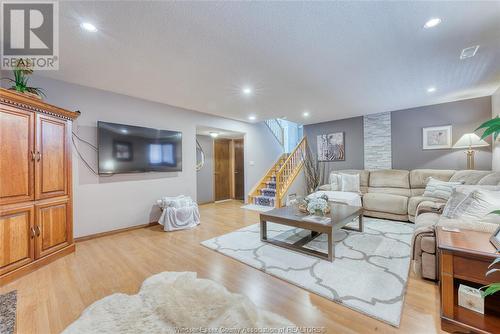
{"points": [[468, 268]]}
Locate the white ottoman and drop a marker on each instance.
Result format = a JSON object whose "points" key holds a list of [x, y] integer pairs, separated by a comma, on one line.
{"points": [[343, 197]]}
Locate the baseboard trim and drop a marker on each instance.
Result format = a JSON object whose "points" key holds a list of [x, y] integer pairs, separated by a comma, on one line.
{"points": [[107, 233]]}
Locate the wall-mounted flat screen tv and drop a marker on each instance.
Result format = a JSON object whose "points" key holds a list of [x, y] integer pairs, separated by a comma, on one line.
{"points": [[134, 149]]}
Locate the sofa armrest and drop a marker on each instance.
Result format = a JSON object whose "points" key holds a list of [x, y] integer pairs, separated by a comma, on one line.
{"points": [[429, 206]]}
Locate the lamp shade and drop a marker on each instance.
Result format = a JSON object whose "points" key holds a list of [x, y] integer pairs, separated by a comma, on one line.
{"points": [[470, 140]]}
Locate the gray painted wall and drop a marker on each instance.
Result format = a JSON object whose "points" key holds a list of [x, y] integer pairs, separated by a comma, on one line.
{"points": [[204, 177], [465, 116], [406, 133], [353, 129], [124, 200]]}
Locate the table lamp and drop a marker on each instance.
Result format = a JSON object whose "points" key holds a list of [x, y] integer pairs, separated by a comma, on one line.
{"points": [[470, 141]]}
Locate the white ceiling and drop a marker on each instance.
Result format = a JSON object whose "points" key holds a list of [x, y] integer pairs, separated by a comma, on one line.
{"points": [[222, 133], [334, 59]]}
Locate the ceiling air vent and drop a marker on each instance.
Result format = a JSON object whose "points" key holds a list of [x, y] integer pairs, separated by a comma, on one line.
{"points": [[469, 52]]}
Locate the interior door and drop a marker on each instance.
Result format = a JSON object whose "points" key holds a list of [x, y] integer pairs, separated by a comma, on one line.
{"points": [[221, 169], [16, 155], [16, 237], [52, 147], [239, 170], [52, 227]]}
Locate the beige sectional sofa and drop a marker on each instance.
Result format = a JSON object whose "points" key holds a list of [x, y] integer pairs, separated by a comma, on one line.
{"points": [[398, 195]]}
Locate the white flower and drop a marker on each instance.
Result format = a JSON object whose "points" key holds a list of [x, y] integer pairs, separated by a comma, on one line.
{"points": [[317, 204]]}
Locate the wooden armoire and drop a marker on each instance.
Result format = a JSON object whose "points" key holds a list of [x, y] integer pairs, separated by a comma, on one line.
{"points": [[36, 214]]}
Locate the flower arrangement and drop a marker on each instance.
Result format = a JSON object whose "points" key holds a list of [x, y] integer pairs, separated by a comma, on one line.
{"points": [[317, 206]]}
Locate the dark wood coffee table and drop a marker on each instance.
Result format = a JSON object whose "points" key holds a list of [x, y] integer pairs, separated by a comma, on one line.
{"points": [[340, 214]]}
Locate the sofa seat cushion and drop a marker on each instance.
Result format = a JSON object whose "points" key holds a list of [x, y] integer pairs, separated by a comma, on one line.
{"points": [[414, 201], [386, 203]]}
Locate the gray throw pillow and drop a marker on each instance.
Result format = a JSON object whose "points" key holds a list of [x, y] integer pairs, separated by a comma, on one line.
{"points": [[460, 194], [478, 205], [440, 189]]}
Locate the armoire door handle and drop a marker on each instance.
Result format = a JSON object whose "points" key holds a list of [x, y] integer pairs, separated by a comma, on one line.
{"points": [[37, 228], [38, 156], [32, 155], [33, 233]]}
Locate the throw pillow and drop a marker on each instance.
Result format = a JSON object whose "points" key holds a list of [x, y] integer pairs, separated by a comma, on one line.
{"points": [[440, 189], [478, 205], [350, 182], [459, 194], [335, 182]]}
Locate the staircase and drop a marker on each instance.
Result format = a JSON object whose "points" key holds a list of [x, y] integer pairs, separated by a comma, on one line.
{"points": [[277, 130], [272, 188]]}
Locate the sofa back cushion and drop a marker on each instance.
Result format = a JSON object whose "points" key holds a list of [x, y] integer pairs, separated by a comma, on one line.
{"points": [[469, 176], [491, 179], [389, 178], [389, 181], [420, 177]]}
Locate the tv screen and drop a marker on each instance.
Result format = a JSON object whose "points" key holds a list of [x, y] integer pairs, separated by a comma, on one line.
{"points": [[134, 149]]}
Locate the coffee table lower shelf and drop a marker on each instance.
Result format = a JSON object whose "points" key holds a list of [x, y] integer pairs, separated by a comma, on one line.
{"points": [[343, 214]]}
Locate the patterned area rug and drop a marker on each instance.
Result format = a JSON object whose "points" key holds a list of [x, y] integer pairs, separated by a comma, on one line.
{"points": [[255, 207], [369, 273], [8, 305]]}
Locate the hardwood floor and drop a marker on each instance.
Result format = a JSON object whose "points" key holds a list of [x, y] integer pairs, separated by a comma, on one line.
{"points": [[52, 297]]}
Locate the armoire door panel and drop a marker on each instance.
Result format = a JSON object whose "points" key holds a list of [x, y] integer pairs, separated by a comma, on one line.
{"points": [[52, 227], [16, 237], [16, 155], [51, 167]]}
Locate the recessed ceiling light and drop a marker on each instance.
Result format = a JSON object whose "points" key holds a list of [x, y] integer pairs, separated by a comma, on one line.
{"points": [[247, 90], [469, 52], [214, 134], [124, 131], [252, 117], [431, 89], [88, 26], [432, 22], [305, 114]]}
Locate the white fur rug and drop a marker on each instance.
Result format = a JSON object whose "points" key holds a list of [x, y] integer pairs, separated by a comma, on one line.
{"points": [[172, 301]]}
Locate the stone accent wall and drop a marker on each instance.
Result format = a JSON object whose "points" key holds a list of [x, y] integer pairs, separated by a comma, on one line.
{"points": [[377, 141]]}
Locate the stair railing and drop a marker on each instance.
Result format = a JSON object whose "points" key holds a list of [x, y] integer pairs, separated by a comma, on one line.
{"points": [[289, 170], [277, 130], [271, 171]]}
